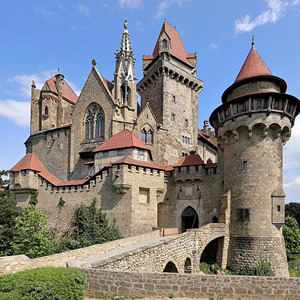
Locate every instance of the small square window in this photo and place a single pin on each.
(244, 165)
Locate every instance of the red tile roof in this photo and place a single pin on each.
(31, 162)
(253, 66)
(108, 84)
(207, 139)
(67, 92)
(141, 163)
(177, 48)
(123, 139)
(189, 160)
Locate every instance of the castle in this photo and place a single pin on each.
(148, 165)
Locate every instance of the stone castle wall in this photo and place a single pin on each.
(193, 286)
(119, 191)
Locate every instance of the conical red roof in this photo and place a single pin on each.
(253, 66)
(123, 139)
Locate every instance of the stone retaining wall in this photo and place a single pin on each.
(195, 286)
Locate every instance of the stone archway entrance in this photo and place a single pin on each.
(189, 219)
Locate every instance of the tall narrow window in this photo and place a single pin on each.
(46, 111)
(149, 137)
(143, 135)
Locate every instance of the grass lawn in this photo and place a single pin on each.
(294, 265)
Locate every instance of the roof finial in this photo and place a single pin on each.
(58, 69)
(94, 62)
(253, 43)
(125, 24)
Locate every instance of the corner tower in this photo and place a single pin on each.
(171, 88)
(124, 78)
(252, 125)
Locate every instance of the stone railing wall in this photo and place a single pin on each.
(193, 286)
(11, 264)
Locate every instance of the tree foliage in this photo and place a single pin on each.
(91, 226)
(31, 235)
(292, 209)
(3, 182)
(8, 214)
(291, 233)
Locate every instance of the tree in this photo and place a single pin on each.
(90, 227)
(31, 235)
(3, 182)
(292, 209)
(291, 233)
(8, 214)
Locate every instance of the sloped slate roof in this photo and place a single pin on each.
(123, 139)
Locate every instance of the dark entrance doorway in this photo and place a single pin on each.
(189, 219)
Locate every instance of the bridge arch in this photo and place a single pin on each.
(213, 250)
(170, 267)
(188, 266)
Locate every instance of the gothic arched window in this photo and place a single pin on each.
(143, 135)
(94, 122)
(149, 137)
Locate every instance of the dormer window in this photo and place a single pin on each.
(147, 136)
(165, 43)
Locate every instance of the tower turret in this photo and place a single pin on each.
(171, 89)
(252, 125)
(124, 78)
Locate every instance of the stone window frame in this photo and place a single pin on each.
(243, 214)
(94, 122)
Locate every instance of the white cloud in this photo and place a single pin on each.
(213, 45)
(47, 14)
(83, 9)
(274, 11)
(16, 111)
(131, 3)
(164, 5)
(24, 81)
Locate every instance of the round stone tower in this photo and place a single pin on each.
(252, 125)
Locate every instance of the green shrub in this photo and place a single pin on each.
(43, 283)
(90, 226)
(263, 268)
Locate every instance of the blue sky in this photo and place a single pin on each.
(40, 36)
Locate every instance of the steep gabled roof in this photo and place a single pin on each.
(67, 92)
(31, 162)
(253, 66)
(123, 139)
(176, 48)
(189, 160)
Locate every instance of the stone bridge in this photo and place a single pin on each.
(149, 252)
(181, 253)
